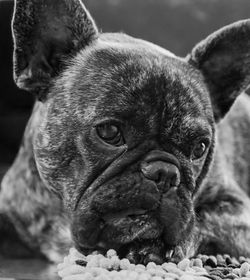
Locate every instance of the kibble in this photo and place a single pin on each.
(235, 262)
(244, 269)
(186, 277)
(228, 260)
(197, 262)
(204, 258)
(124, 264)
(133, 275)
(105, 263)
(102, 277)
(184, 264)
(156, 278)
(140, 267)
(110, 267)
(151, 265)
(220, 259)
(169, 266)
(242, 259)
(211, 261)
(115, 262)
(111, 253)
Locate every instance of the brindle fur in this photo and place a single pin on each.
(65, 178)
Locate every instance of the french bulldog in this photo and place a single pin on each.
(128, 146)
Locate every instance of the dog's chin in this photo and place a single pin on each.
(138, 237)
(127, 226)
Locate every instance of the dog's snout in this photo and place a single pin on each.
(161, 172)
(162, 168)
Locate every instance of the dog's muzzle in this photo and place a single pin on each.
(137, 217)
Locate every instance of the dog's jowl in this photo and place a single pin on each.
(128, 146)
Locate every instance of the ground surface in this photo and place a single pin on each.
(27, 270)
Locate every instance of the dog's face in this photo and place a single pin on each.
(134, 132)
(126, 131)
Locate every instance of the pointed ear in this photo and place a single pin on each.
(224, 60)
(45, 33)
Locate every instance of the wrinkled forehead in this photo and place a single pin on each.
(126, 80)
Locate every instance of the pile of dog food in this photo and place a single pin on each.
(98, 267)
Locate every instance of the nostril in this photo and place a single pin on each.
(150, 171)
(176, 179)
(160, 178)
(153, 171)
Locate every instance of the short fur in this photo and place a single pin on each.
(67, 186)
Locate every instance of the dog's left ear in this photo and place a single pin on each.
(46, 33)
(224, 60)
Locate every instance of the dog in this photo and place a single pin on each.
(128, 146)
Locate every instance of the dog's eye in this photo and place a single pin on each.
(110, 133)
(199, 150)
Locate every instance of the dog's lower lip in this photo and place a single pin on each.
(127, 229)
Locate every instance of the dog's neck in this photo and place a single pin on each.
(23, 195)
(22, 181)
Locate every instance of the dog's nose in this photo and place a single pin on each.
(162, 168)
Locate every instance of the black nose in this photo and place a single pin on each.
(162, 168)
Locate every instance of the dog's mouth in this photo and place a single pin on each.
(135, 234)
(129, 225)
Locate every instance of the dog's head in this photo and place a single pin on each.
(126, 129)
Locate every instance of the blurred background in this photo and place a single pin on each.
(174, 24)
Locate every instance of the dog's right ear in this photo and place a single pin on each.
(46, 33)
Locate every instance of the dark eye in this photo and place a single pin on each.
(110, 133)
(199, 150)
